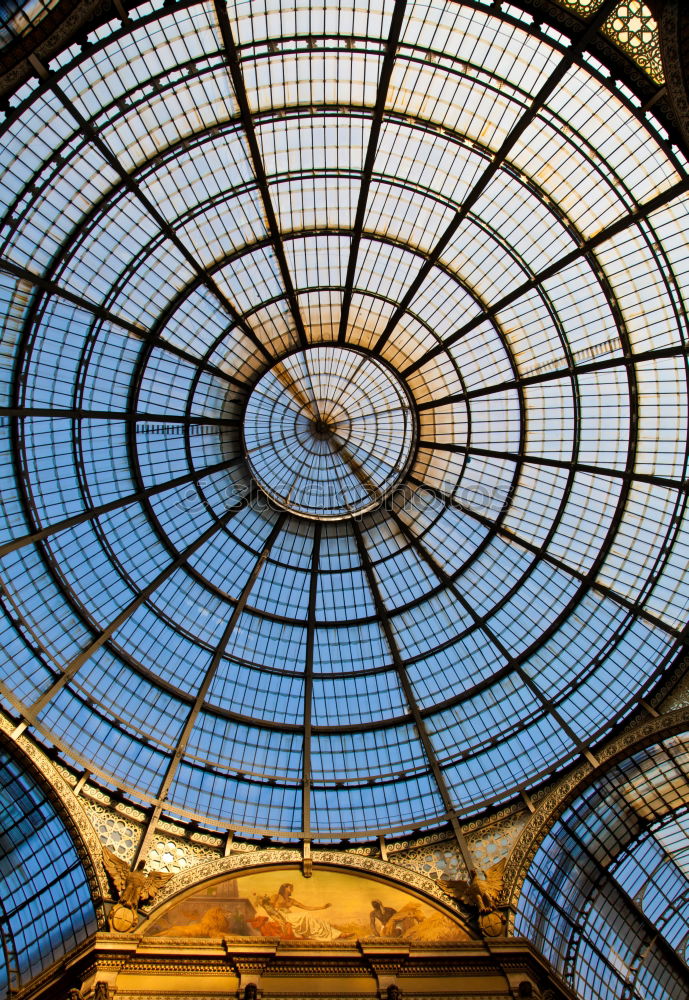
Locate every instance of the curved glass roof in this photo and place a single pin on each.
(46, 907)
(460, 200)
(328, 432)
(607, 895)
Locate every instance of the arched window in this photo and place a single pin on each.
(606, 898)
(45, 899)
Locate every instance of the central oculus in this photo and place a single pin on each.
(328, 432)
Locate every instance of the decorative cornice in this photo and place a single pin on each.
(320, 995)
(674, 46)
(220, 963)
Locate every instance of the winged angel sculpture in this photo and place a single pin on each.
(481, 894)
(133, 888)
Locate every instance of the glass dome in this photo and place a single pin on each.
(345, 408)
(328, 432)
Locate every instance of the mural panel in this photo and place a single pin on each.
(330, 906)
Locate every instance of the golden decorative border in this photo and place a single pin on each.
(632, 28)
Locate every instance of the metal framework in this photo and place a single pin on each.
(607, 894)
(207, 189)
(47, 907)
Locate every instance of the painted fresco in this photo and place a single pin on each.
(330, 906)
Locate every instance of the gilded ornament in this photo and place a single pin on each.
(133, 888)
(122, 918)
(481, 894)
(492, 924)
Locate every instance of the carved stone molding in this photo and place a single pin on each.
(674, 51)
(158, 968)
(321, 995)
(552, 805)
(250, 965)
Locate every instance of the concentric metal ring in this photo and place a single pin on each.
(328, 432)
(305, 672)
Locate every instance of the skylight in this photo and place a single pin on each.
(435, 213)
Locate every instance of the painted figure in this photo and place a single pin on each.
(303, 925)
(379, 916)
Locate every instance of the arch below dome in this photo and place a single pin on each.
(238, 896)
(605, 895)
(48, 881)
(424, 949)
